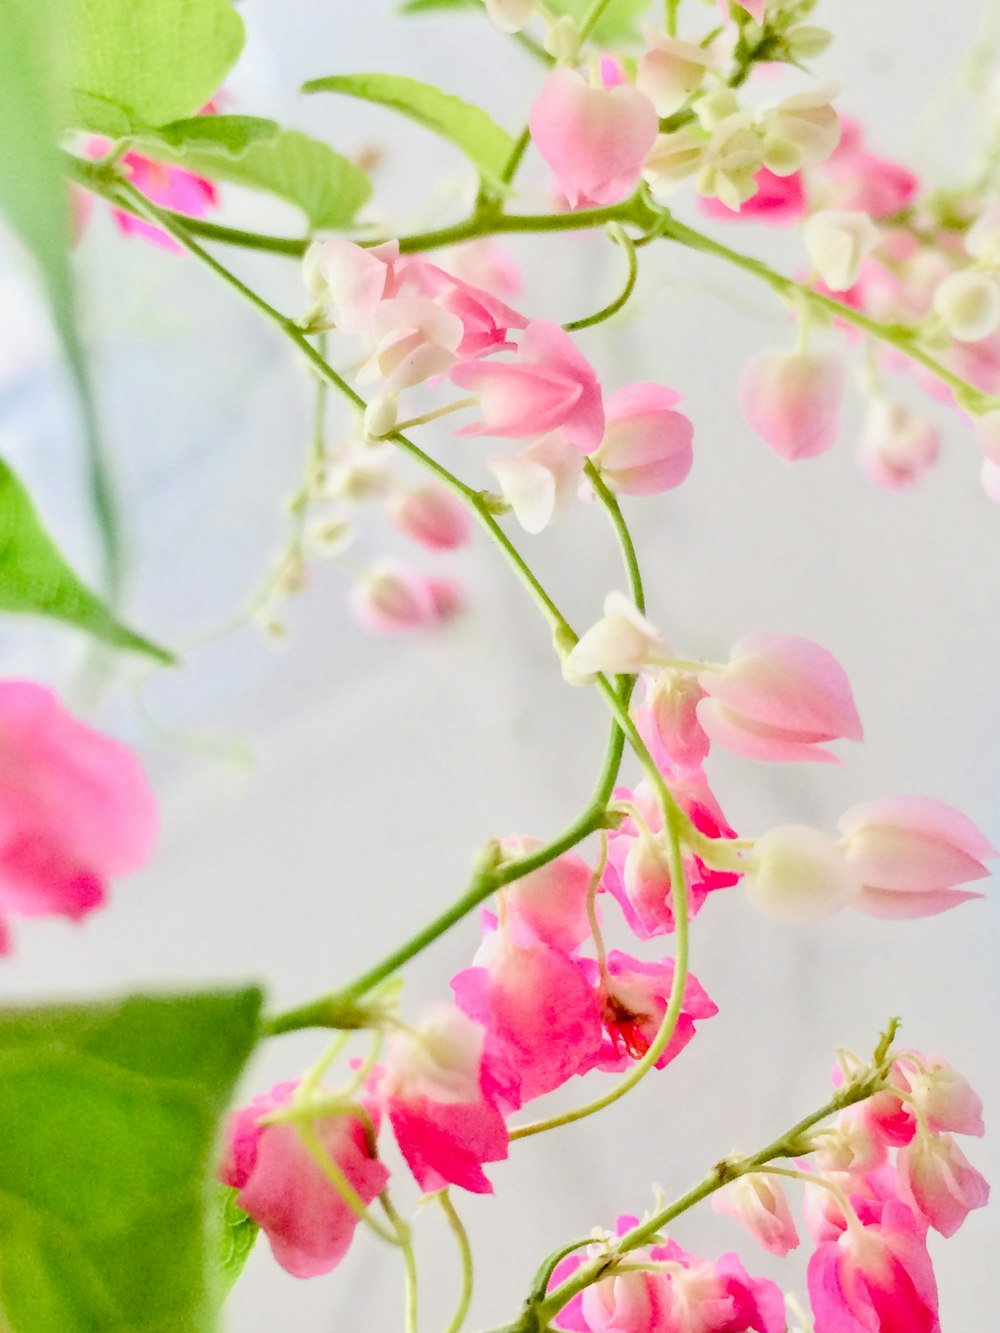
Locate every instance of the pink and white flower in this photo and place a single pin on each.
(646, 447)
(431, 516)
(758, 1202)
(793, 400)
(938, 1182)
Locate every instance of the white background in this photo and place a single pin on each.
(377, 768)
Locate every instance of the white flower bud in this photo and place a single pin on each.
(968, 304)
(670, 71)
(672, 158)
(381, 415)
(511, 15)
(715, 107)
(796, 875)
(622, 641)
(837, 243)
(731, 162)
(807, 41)
(983, 238)
(563, 40)
(801, 129)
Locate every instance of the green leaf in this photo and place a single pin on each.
(324, 185)
(468, 127)
(239, 1232)
(110, 1117)
(231, 135)
(430, 6)
(618, 23)
(135, 63)
(34, 577)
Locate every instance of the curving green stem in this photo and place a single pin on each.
(465, 1256)
(622, 238)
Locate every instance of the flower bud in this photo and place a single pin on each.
(797, 875)
(672, 158)
(647, 446)
(897, 446)
(623, 640)
(792, 400)
(392, 599)
(670, 71)
(799, 130)
(968, 304)
(758, 1202)
(715, 107)
(511, 15)
(432, 516)
(837, 243)
(563, 40)
(381, 416)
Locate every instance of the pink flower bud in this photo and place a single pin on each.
(391, 599)
(777, 699)
(432, 516)
(850, 1146)
(75, 809)
(647, 446)
(942, 1093)
(897, 446)
(667, 720)
(758, 1202)
(909, 852)
(623, 640)
(282, 1187)
(594, 139)
(540, 482)
(938, 1182)
(798, 875)
(792, 400)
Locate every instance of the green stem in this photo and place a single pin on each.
(671, 17)
(593, 17)
(404, 1238)
(465, 1255)
(622, 238)
(610, 502)
(311, 1141)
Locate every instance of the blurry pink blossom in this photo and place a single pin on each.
(432, 516)
(647, 445)
(792, 400)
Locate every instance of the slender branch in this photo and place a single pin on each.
(465, 1256)
(622, 238)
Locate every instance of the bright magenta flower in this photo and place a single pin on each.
(594, 139)
(778, 699)
(75, 808)
(285, 1190)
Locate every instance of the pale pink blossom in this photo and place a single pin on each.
(938, 1182)
(539, 482)
(897, 446)
(540, 1014)
(432, 516)
(623, 640)
(76, 809)
(632, 998)
(432, 1092)
(793, 400)
(548, 905)
(486, 320)
(392, 599)
(778, 699)
(548, 385)
(874, 1278)
(758, 1202)
(909, 852)
(949, 1103)
(797, 875)
(850, 1146)
(667, 719)
(670, 70)
(647, 445)
(838, 241)
(415, 339)
(351, 281)
(861, 181)
(594, 139)
(286, 1191)
(488, 266)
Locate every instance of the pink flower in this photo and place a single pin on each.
(549, 384)
(864, 182)
(539, 482)
(876, 1278)
(909, 852)
(539, 1012)
(594, 139)
(432, 1091)
(792, 400)
(485, 318)
(758, 1202)
(432, 516)
(170, 187)
(778, 201)
(778, 698)
(351, 281)
(285, 1190)
(75, 808)
(938, 1182)
(897, 446)
(392, 599)
(415, 339)
(633, 1003)
(647, 446)
(943, 1094)
(667, 720)
(487, 265)
(548, 905)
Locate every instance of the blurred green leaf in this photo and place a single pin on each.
(34, 576)
(468, 127)
(136, 63)
(239, 1232)
(618, 23)
(231, 135)
(110, 1118)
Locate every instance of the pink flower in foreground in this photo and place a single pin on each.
(539, 1012)
(938, 1182)
(758, 1202)
(549, 905)
(539, 482)
(392, 599)
(647, 445)
(286, 1191)
(433, 1095)
(792, 400)
(549, 384)
(75, 808)
(594, 139)
(432, 516)
(667, 720)
(633, 1003)
(910, 852)
(351, 280)
(876, 1278)
(170, 187)
(778, 698)
(485, 318)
